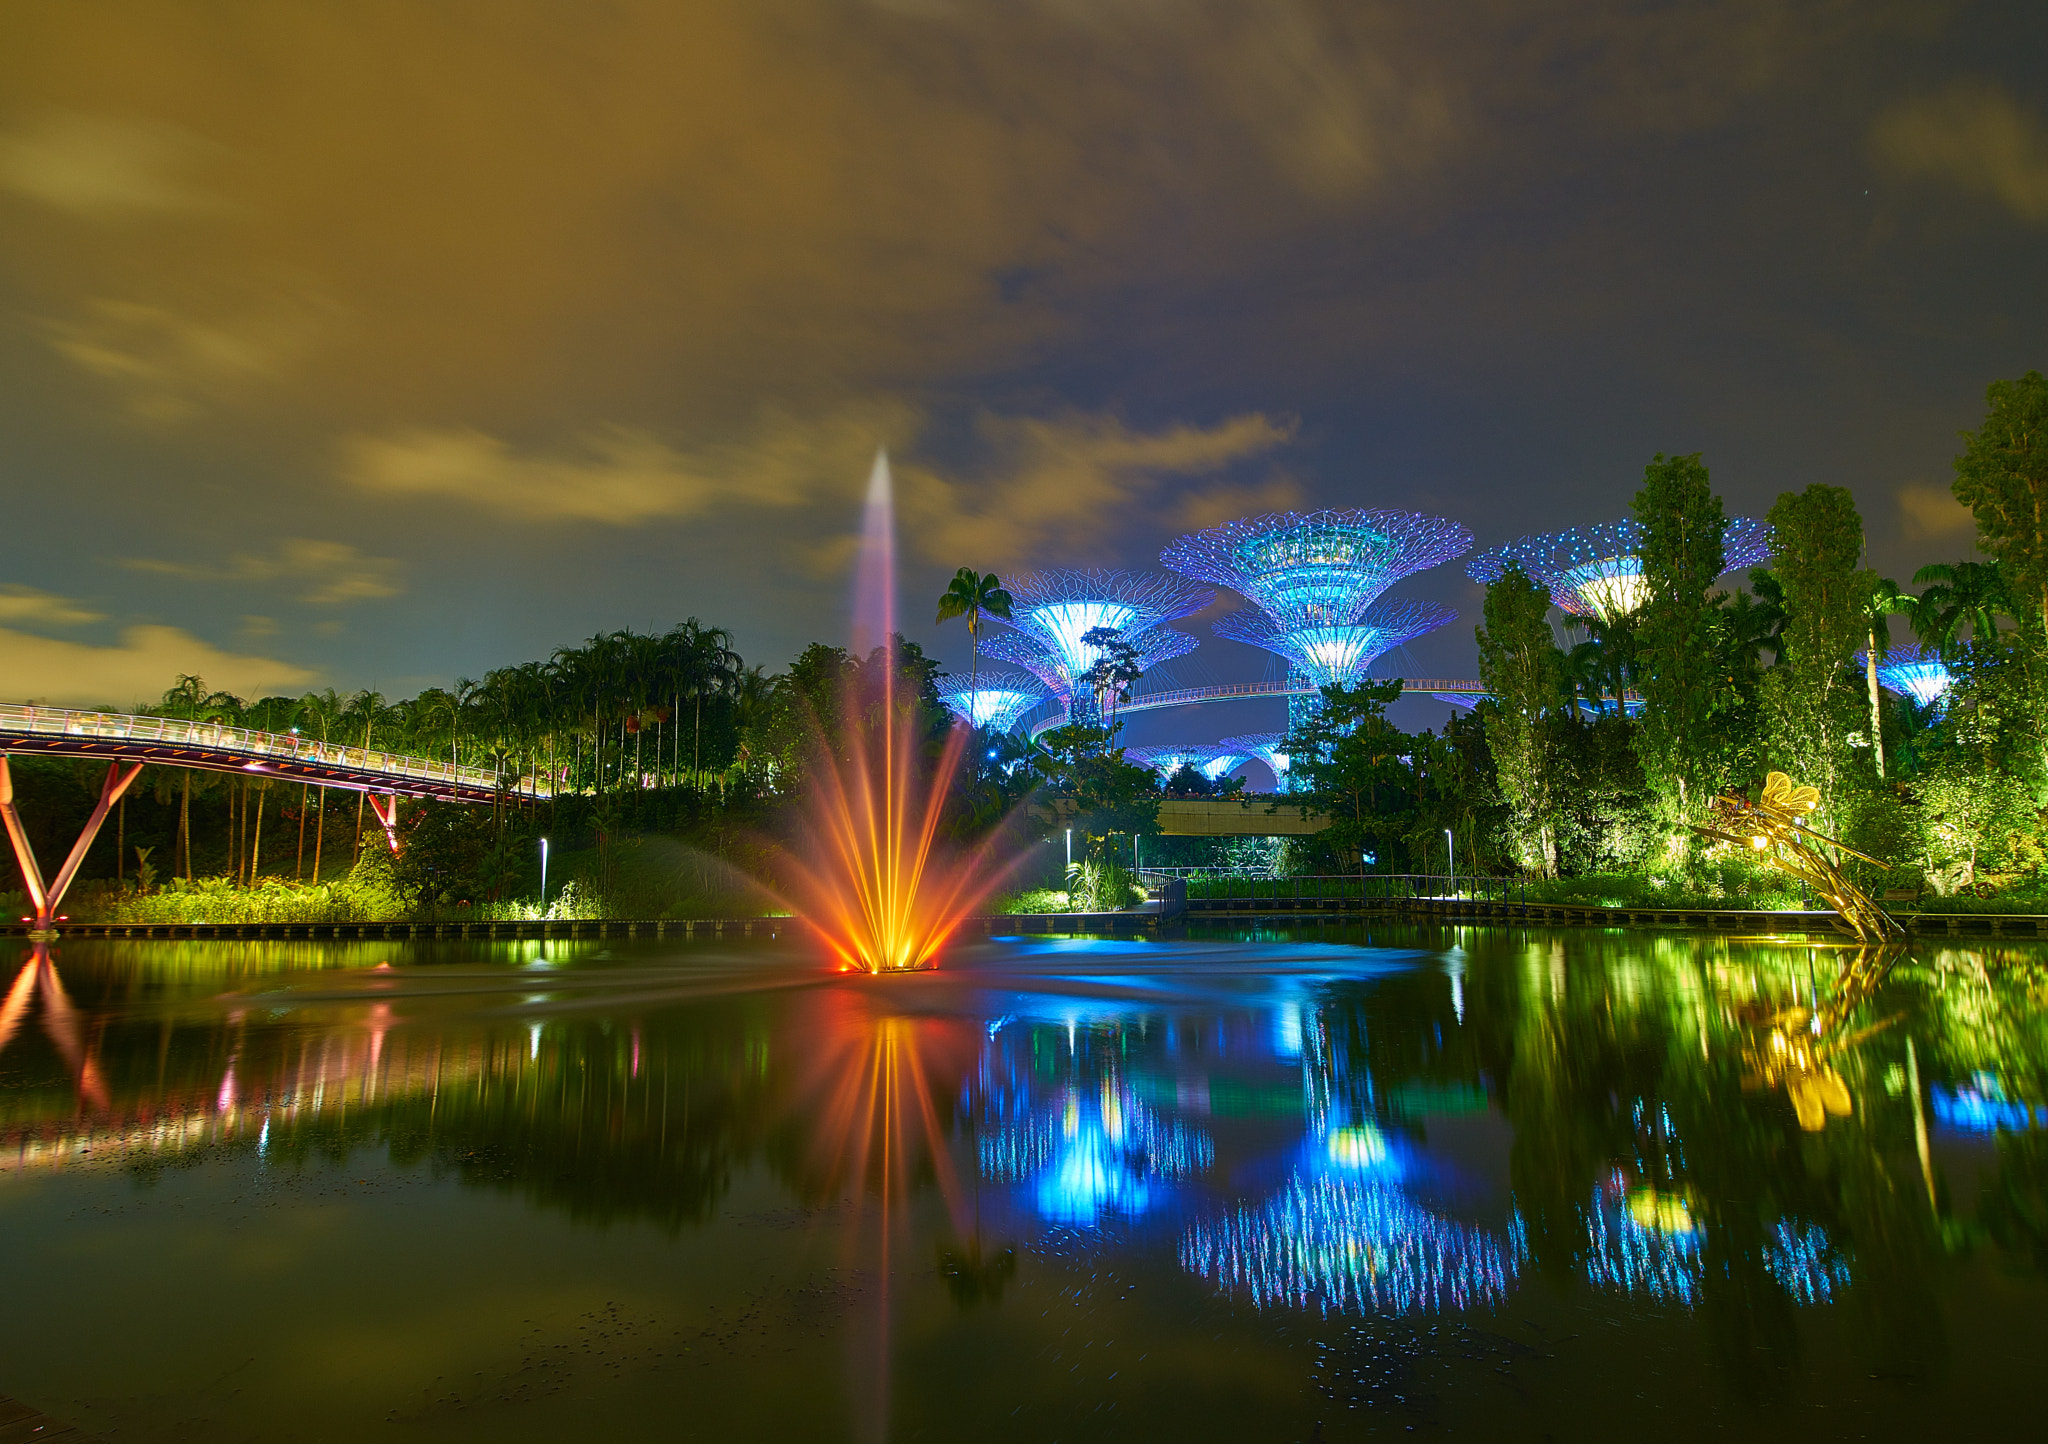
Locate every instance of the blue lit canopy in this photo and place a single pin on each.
(1321, 568)
(998, 702)
(1333, 653)
(1315, 578)
(1266, 746)
(1597, 571)
(1052, 611)
(1921, 675)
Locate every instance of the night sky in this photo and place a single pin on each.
(371, 343)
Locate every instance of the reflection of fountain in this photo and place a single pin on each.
(875, 890)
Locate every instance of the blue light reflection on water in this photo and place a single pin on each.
(1095, 1096)
(1353, 1245)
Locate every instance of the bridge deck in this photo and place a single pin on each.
(209, 746)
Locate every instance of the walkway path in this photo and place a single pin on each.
(209, 746)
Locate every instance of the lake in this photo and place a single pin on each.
(1320, 1183)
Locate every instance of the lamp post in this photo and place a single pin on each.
(543, 877)
(1451, 858)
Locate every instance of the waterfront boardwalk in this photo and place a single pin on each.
(1151, 917)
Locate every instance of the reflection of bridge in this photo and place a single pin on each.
(128, 742)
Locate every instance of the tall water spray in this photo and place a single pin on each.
(875, 884)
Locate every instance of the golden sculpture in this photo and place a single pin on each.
(1774, 825)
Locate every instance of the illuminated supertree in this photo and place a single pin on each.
(1317, 569)
(1315, 577)
(1335, 653)
(1167, 760)
(1266, 746)
(1052, 613)
(1921, 675)
(998, 703)
(1597, 571)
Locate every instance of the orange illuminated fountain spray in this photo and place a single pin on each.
(875, 885)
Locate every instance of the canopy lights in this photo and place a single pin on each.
(1597, 571)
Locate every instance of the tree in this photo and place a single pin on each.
(974, 595)
(2002, 477)
(1683, 552)
(1812, 699)
(1959, 595)
(1523, 673)
(1117, 665)
(1884, 602)
(1349, 761)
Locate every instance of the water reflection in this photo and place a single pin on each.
(1744, 1128)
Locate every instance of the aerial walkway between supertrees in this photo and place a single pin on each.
(1054, 613)
(1317, 579)
(1597, 571)
(128, 743)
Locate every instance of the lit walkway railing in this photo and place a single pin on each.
(103, 733)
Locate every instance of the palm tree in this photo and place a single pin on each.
(974, 595)
(1884, 602)
(1958, 595)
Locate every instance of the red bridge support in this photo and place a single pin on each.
(387, 814)
(45, 897)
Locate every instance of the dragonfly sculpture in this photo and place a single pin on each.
(1775, 827)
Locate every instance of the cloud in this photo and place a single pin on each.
(1061, 486)
(104, 167)
(1212, 508)
(330, 573)
(75, 674)
(1928, 511)
(1975, 137)
(26, 604)
(170, 365)
(623, 476)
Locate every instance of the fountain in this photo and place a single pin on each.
(876, 887)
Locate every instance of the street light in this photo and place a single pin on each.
(543, 877)
(1451, 857)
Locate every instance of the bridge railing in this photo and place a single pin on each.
(24, 720)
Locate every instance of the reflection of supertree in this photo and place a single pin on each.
(1337, 653)
(1093, 1152)
(1597, 571)
(1805, 1262)
(1923, 676)
(1642, 1242)
(1351, 1245)
(1053, 611)
(998, 702)
(1266, 746)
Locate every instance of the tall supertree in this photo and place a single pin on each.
(1597, 571)
(999, 701)
(1053, 613)
(1332, 654)
(1316, 578)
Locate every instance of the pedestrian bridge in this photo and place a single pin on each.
(213, 747)
(126, 743)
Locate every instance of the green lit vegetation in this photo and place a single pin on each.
(1548, 778)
